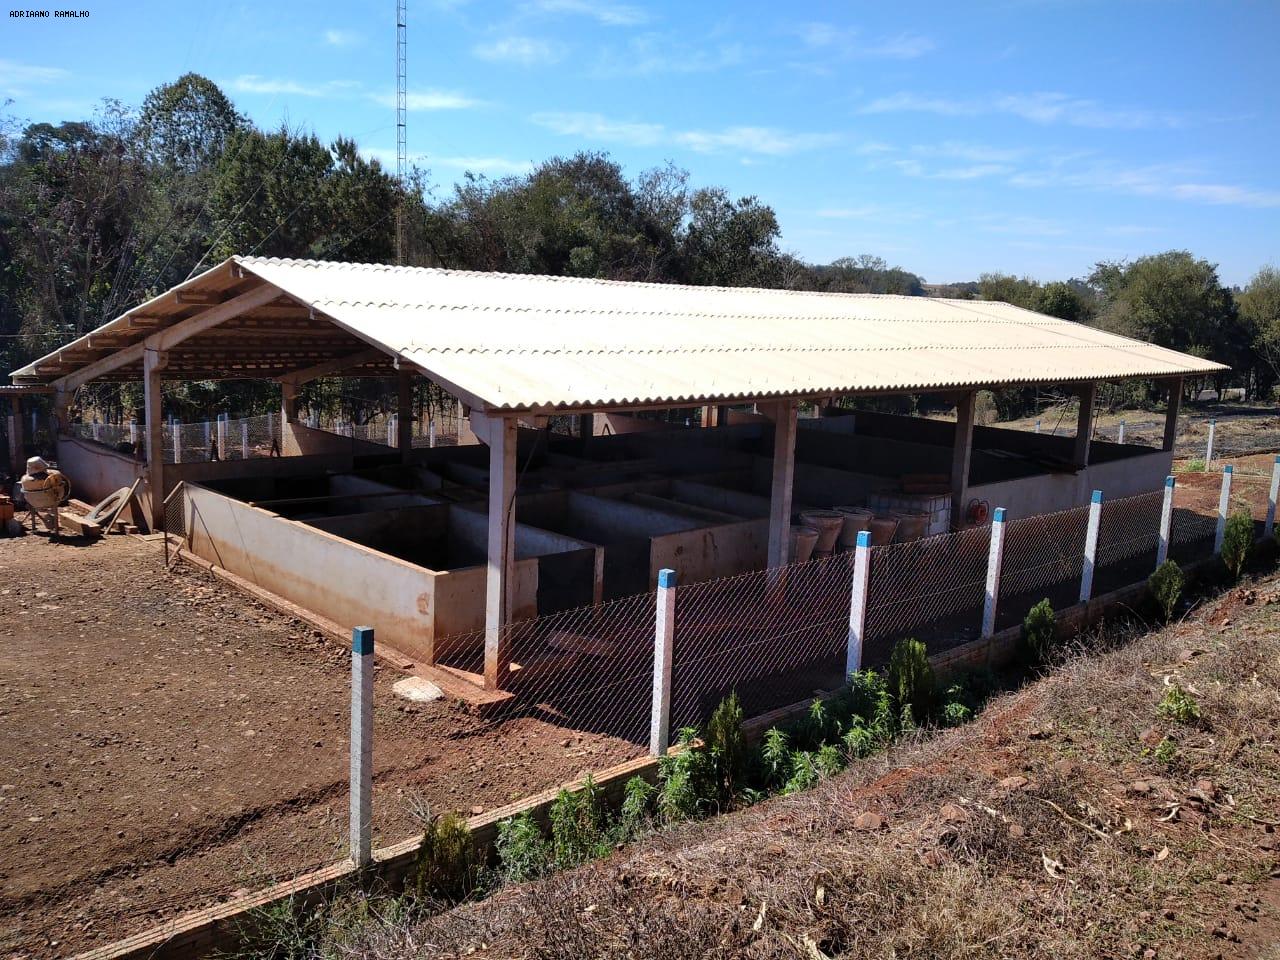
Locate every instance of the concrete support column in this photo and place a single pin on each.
(17, 447)
(153, 362)
(288, 414)
(501, 553)
(1171, 414)
(1084, 425)
(404, 413)
(961, 455)
(783, 415)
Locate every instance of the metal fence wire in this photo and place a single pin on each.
(1043, 558)
(1128, 537)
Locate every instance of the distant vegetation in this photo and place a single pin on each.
(98, 215)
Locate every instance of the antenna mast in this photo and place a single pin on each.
(402, 103)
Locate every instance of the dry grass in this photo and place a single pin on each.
(1047, 828)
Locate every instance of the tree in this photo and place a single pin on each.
(187, 124)
(1260, 309)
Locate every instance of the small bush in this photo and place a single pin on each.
(1237, 542)
(829, 760)
(1194, 465)
(577, 825)
(637, 806)
(775, 756)
(444, 867)
(727, 744)
(523, 852)
(1166, 586)
(1037, 633)
(859, 740)
(955, 713)
(688, 781)
(804, 772)
(1179, 706)
(911, 682)
(1166, 752)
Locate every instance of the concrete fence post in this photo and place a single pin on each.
(96, 430)
(176, 427)
(664, 635)
(858, 604)
(271, 428)
(995, 563)
(362, 746)
(1120, 433)
(207, 445)
(133, 432)
(244, 439)
(392, 431)
(222, 436)
(1166, 522)
(1224, 504)
(1208, 447)
(1037, 425)
(431, 432)
(1091, 546)
(1270, 526)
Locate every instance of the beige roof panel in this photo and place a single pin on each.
(532, 342)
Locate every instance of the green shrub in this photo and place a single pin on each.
(688, 781)
(727, 744)
(444, 869)
(829, 760)
(1166, 586)
(911, 682)
(868, 695)
(523, 852)
(1237, 542)
(804, 772)
(1194, 465)
(1166, 752)
(637, 806)
(577, 825)
(1179, 706)
(956, 712)
(859, 740)
(775, 755)
(1038, 633)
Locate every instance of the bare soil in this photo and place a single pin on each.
(1053, 826)
(169, 741)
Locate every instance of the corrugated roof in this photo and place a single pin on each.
(533, 342)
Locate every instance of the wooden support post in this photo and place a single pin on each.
(995, 564)
(858, 604)
(404, 413)
(1270, 526)
(362, 746)
(784, 467)
(663, 646)
(1084, 425)
(1171, 415)
(1224, 507)
(1166, 522)
(961, 455)
(1091, 546)
(501, 553)
(152, 363)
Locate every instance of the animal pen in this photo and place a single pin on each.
(515, 561)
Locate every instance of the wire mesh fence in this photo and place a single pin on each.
(1043, 558)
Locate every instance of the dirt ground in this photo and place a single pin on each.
(169, 742)
(1072, 820)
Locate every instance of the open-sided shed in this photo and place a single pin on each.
(518, 348)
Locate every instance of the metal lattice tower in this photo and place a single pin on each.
(402, 108)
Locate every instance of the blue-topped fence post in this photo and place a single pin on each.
(1166, 522)
(1091, 546)
(995, 563)
(362, 746)
(664, 634)
(858, 604)
(1224, 504)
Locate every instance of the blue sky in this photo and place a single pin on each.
(1028, 136)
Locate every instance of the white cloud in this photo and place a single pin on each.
(252, 83)
(424, 100)
(500, 166)
(1043, 108)
(764, 141)
(849, 43)
(604, 11)
(342, 38)
(526, 51)
(654, 53)
(16, 79)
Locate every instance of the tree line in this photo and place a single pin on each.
(98, 215)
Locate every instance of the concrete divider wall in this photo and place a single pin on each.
(96, 471)
(1027, 497)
